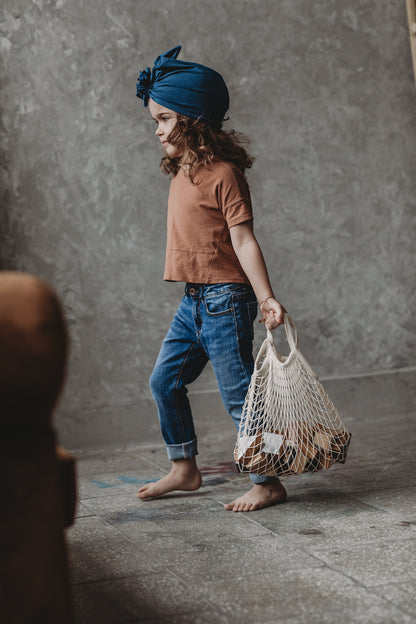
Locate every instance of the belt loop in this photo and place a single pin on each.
(193, 289)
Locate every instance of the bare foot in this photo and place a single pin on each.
(184, 475)
(260, 496)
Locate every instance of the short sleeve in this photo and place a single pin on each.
(233, 195)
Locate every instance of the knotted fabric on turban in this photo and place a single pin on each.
(187, 88)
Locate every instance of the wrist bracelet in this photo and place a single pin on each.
(264, 300)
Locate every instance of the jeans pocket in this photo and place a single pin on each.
(216, 305)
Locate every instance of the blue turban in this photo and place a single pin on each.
(187, 88)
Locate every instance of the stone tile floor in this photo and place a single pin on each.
(341, 550)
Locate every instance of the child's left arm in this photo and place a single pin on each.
(251, 259)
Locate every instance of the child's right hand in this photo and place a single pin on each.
(273, 313)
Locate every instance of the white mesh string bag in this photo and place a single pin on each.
(289, 424)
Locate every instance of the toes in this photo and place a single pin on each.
(240, 506)
(144, 492)
(230, 506)
(234, 506)
(247, 507)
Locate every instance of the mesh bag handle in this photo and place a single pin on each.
(291, 332)
(293, 342)
(291, 336)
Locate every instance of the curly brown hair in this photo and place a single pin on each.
(202, 144)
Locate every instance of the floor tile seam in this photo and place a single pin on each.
(331, 544)
(313, 572)
(338, 570)
(357, 582)
(398, 605)
(329, 566)
(395, 515)
(386, 489)
(407, 486)
(375, 541)
(226, 612)
(347, 496)
(119, 577)
(391, 512)
(373, 508)
(105, 521)
(107, 495)
(106, 579)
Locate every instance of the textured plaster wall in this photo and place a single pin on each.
(325, 91)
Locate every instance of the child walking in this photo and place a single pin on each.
(212, 249)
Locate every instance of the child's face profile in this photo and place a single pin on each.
(166, 120)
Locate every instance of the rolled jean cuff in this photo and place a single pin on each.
(259, 479)
(187, 450)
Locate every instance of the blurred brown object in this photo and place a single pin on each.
(37, 482)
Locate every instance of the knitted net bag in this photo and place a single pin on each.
(289, 424)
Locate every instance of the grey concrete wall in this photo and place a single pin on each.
(325, 91)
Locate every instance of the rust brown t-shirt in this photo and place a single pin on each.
(200, 216)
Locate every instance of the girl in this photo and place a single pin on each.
(211, 247)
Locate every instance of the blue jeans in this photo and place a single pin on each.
(213, 322)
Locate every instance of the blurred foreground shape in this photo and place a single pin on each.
(37, 478)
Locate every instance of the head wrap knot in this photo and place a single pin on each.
(188, 88)
(144, 84)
